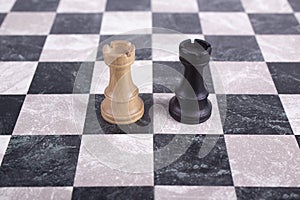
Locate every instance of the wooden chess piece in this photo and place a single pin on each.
(190, 104)
(121, 105)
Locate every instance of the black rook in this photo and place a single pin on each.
(190, 104)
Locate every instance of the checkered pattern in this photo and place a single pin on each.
(54, 143)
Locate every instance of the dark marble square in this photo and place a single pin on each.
(10, 107)
(191, 160)
(253, 114)
(35, 5)
(275, 23)
(295, 4)
(2, 16)
(234, 48)
(143, 45)
(182, 23)
(95, 124)
(120, 193)
(286, 77)
(62, 78)
(40, 161)
(220, 5)
(267, 193)
(128, 5)
(167, 76)
(298, 139)
(77, 24)
(21, 48)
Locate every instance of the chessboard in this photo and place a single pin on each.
(54, 143)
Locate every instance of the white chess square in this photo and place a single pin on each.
(6, 5)
(298, 16)
(175, 6)
(263, 6)
(81, 6)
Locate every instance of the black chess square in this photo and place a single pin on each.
(220, 5)
(95, 124)
(182, 23)
(195, 165)
(121, 193)
(235, 48)
(128, 5)
(21, 48)
(62, 78)
(167, 76)
(253, 114)
(40, 161)
(77, 24)
(286, 77)
(295, 5)
(298, 139)
(275, 23)
(10, 107)
(2, 16)
(35, 5)
(142, 43)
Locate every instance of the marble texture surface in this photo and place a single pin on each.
(70, 48)
(220, 5)
(81, 6)
(36, 193)
(261, 6)
(115, 160)
(229, 23)
(194, 193)
(33, 5)
(272, 161)
(176, 7)
(16, 77)
(141, 72)
(6, 5)
(52, 115)
(242, 78)
(297, 15)
(4, 140)
(291, 105)
(271, 47)
(132, 23)
(128, 5)
(18, 23)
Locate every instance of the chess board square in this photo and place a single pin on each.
(81, 6)
(21, 48)
(167, 76)
(175, 7)
(132, 23)
(272, 161)
(261, 6)
(4, 140)
(6, 5)
(295, 5)
(40, 161)
(122, 193)
(33, 5)
(16, 77)
(225, 23)
(52, 115)
(129, 5)
(286, 77)
(298, 139)
(164, 123)
(165, 46)
(184, 162)
(297, 15)
(100, 157)
(220, 5)
(62, 78)
(253, 114)
(95, 124)
(10, 106)
(77, 24)
(141, 42)
(274, 51)
(70, 48)
(141, 72)
(18, 23)
(291, 107)
(234, 48)
(242, 78)
(246, 193)
(274, 23)
(36, 193)
(194, 192)
(2, 16)
(182, 22)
